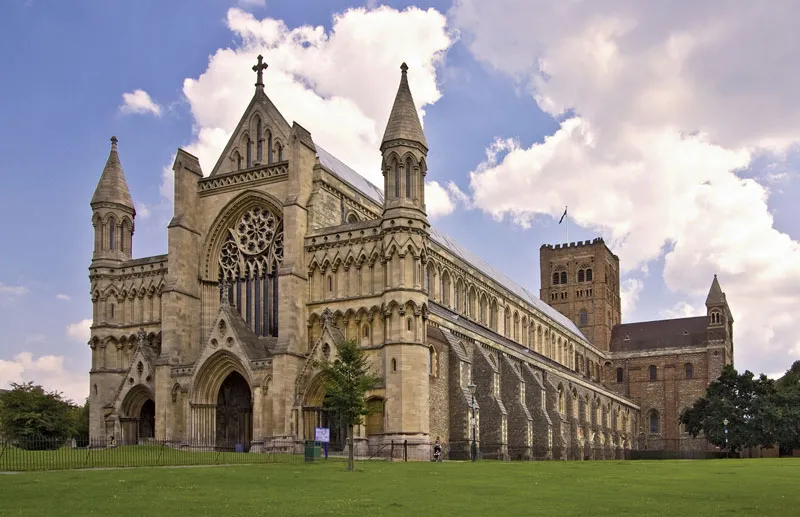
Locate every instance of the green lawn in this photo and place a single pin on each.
(713, 487)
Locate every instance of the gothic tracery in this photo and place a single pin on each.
(249, 261)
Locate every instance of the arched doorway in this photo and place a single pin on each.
(234, 416)
(315, 415)
(147, 420)
(137, 416)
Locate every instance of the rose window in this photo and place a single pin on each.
(249, 262)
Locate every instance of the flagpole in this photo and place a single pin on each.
(566, 223)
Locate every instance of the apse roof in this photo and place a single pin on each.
(345, 173)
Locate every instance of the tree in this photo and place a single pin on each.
(36, 419)
(785, 413)
(347, 380)
(746, 402)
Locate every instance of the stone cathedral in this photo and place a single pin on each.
(283, 251)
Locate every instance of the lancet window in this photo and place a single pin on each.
(249, 262)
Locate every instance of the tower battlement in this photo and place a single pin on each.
(574, 244)
(581, 281)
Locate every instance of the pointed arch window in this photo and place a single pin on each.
(555, 278)
(620, 375)
(589, 275)
(581, 275)
(397, 179)
(249, 262)
(269, 146)
(249, 153)
(259, 141)
(112, 233)
(408, 177)
(280, 153)
(238, 158)
(563, 277)
(652, 372)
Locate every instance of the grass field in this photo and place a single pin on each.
(714, 487)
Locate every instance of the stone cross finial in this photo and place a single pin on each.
(113, 143)
(259, 70)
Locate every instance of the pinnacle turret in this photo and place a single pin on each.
(715, 294)
(404, 122)
(112, 187)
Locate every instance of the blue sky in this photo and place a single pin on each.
(680, 151)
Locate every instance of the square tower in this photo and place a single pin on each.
(581, 281)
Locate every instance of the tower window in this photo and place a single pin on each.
(366, 331)
(689, 370)
(563, 277)
(280, 153)
(653, 372)
(249, 152)
(330, 284)
(394, 365)
(408, 178)
(654, 422)
(112, 233)
(555, 278)
(408, 324)
(589, 275)
(397, 179)
(580, 275)
(620, 374)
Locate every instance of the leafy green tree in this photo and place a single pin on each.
(785, 414)
(80, 423)
(348, 378)
(744, 401)
(36, 419)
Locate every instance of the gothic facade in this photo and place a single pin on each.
(283, 251)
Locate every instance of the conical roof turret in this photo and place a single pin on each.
(403, 121)
(715, 294)
(112, 187)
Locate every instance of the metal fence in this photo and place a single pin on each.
(53, 454)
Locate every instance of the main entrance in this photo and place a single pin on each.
(234, 418)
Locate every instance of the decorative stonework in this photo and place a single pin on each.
(245, 178)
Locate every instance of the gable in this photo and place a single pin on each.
(272, 122)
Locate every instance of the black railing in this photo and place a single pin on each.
(50, 454)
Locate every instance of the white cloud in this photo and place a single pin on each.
(48, 371)
(139, 102)
(629, 294)
(64, 297)
(658, 109)
(437, 200)
(142, 210)
(12, 291)
(79, 331)
(252, 3)
(325, 80)
(682, 310)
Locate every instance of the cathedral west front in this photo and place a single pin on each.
(282, 251)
